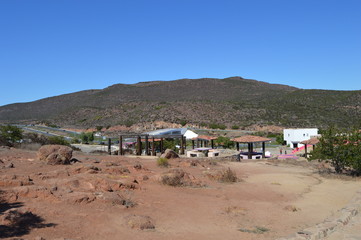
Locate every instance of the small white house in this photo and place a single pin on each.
(294, 136)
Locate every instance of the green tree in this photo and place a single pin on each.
(224, 141)
(280, 139)
(87, 137)
(183, 122)
(341, 148)
(10, 134)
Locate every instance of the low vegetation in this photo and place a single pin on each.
(174, 178)
(228, 176)
(341, 148)
(9, 135)
(163, 162)
(196, 102)
(256, 230)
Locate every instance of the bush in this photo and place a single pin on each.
(224, 141)
(163, 162)
(341, 148)
(57, 140)
(217, 126)
(183, 122)
(228, 176)
(10, 135)
(174, 178)
(235, 127)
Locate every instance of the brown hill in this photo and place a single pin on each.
(230, 101)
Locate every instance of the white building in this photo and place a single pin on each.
(293, 137)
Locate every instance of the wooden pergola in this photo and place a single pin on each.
(311, 141)
(149, 141)
(250, 140)
(203, 141)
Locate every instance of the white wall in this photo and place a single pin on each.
(190, 134)
(294, 136)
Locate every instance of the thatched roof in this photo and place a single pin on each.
(250, 139)
(204, 137)
(312, 141)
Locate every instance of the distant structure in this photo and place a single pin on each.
(188, 134)
(294, 136)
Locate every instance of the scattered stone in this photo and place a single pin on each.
(291, 208)
(15, 180)
(74, 160)
(39, 238)
(9, 165)
(55, 154)
(110, 164)
(79, 198)
(138, 166)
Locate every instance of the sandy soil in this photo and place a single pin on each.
(93, 198)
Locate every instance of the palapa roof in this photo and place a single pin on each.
(311, 141)
(204, 137)
(250, 139)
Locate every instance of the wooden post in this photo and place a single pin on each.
(212, 143)
(161, 145)
(305, 150)
(249, 151)
(192, 144)
(185, 145)
(263, 150)
(146, 145)
(182, 146)
(153, 147)
(120, 152)
(237, 143)
(110, 146)
(197, 143)
(139, 146)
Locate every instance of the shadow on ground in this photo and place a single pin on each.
(17, 223)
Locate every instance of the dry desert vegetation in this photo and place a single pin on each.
(123, 197)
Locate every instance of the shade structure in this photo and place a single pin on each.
(203, 139)
(250, 139)
(312, 141)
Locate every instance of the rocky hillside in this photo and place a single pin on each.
(231, 102)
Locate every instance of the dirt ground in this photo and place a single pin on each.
(115, 197)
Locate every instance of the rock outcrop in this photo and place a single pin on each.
(55, 154)
(169, 153)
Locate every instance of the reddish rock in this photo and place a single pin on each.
(169, 154)
(55, 154)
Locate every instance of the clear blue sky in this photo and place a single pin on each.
(50, 47)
